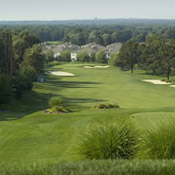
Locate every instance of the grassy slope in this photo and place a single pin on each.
(29, 135)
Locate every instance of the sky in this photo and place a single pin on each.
(85, 9)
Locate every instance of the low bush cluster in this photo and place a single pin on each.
(106, 106)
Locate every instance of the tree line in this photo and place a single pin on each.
(156, 55)
(101, 34)
(83, 56)
(21, 61)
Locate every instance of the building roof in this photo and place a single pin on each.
(92, 47)
(114, 47)
(66, 46)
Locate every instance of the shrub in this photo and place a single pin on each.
(55, 101)
(109, 142)
(160, 142)
(106, 106)
(59, 109)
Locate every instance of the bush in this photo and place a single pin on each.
(160, 142)
(55, 101)
(109, 142)
(56, 109)
(59, 109)
(106, 106)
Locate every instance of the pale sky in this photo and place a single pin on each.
(85, 9)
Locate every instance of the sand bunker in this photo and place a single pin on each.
(60, 73)
(94, 67)
(156, 81)
(172, 86)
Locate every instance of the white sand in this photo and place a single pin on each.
(94, 67)
(172, 86)
(60, 73)
(156, 81)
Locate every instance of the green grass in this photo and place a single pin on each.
(54, 42)
(100, 167)
(29, 135)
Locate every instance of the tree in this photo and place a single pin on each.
(107, 39)
(49, 55)
(83, 56)
(92, 57)
(128, 55)
(21, 42)
(114, 60)
(34, 58)
(65, 56)
(5, 89)
(167, 55)
(101, 57)
(152, 55)
(6, 54)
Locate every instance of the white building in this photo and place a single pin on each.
(74, 56)
(56, 55)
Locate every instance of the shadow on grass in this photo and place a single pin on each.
(29, 103)
(70, 84)
(36, 101)
(73, 103)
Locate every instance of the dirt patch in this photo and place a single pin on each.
(156, 81)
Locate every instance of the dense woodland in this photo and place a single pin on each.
(101, 34)
(146, 47)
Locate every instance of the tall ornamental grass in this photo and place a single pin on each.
(109, 142)
(159, 143)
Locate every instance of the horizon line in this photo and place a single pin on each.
(28, 20)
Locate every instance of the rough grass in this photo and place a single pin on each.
(100, 167)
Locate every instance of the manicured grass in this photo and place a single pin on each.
(54, 42)
(27, 134)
